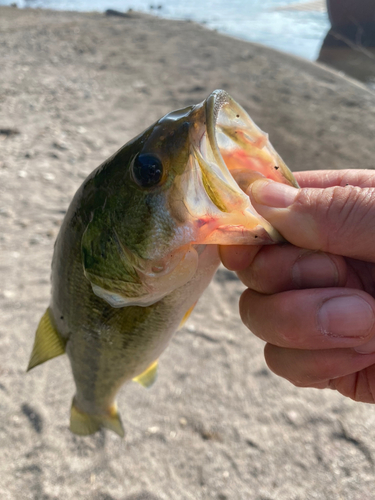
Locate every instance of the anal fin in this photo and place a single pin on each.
(48, 342)
(84, 424)
(148, 377)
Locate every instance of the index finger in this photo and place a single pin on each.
(338, 220)
(330, 178)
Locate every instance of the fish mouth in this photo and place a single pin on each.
(229, 152)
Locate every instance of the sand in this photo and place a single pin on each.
(217, 424)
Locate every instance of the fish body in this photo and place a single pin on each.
(139, 245)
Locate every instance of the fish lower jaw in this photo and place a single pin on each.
(236, 228)
(240, 235)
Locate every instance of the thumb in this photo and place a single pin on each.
(339, 220)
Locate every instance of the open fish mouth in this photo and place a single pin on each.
(231, 152)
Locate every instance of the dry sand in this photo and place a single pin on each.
(217, 424)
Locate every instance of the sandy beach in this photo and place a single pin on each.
(74, 87)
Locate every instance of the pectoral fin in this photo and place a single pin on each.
(186, 316)
(84, 424)
(48, 343)
(148, 377)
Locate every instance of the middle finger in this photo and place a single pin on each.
(286, 267)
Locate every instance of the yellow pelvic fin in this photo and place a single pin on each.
(148, 377)
(186, 316)
(84, 424)
(47, 344)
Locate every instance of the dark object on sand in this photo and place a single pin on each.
(350, 43)
(117, 13)
(9, 131)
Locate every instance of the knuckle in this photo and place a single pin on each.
(288, 335)
(362, 178)
(247, 313)
(337, 212)
(346, 208)
(256, 277)
(286, 323)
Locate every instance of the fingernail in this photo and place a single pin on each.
(315, 270)
(273, 194)
(349, 316)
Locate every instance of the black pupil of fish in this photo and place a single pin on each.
(147, 170)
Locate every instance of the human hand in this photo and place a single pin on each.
(312, 300)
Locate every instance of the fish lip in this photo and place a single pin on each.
(226, 118)
(218, 104)
(206, 150)
(213, 105)
(228, 207)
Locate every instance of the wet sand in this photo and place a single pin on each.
(217, 424)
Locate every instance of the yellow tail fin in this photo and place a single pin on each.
(84, 424)
(47, 344)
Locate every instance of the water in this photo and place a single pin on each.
(297, 32)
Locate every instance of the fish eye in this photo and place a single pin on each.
(147, 170)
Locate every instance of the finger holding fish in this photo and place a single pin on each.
(317, 313)
(296, 267)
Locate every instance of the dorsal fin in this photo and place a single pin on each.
(148, 377)
(48, 343)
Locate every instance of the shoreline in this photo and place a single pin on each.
(249, 28)
(330, 65)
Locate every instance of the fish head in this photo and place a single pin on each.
(177, 187)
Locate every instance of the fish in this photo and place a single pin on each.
(139, 245)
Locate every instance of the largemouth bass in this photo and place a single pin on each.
(139, 245)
